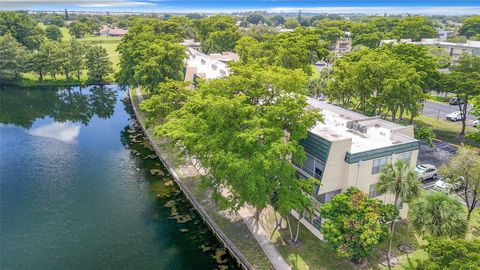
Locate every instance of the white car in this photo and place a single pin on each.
(442, 185)
(476, 123)
(426, 171)
(454, 116)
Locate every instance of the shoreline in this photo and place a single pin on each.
(181, 172)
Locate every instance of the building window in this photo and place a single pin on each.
(313, 167)
(372, 192)
(378, 164)
(406, 156)
(328, 196)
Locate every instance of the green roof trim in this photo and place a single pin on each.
(382, 152)
(316, 146)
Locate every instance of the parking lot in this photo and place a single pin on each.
(439, 110)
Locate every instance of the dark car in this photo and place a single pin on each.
(456, 101)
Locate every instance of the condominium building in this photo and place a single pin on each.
(455, 50)
(207, 66)
(349, 149)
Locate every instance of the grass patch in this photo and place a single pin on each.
(312, 254)
(446, 131)
(474, 225)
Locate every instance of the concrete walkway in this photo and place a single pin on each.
(263, 239)
(249, 220)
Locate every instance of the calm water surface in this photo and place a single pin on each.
(77, 190)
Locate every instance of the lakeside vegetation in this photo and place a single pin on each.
(245, 129)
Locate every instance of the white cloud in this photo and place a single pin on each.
(65, 132)
(381, 10)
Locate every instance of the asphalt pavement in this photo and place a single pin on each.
(439, 110)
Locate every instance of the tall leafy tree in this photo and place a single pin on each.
(14, 56)
(464, 167)
(149, 55)
(53, 32)
(355, 224)
(76, 58)
(437, 214)
(414, 28)
(98, 64)
(166, 98)
(220, 41)
(23, 27)
(298, 49)
(162, 60)
(401, 180)
(464, 82)
(245, 130)
(47, 60)
(451, 254)
(470, 27)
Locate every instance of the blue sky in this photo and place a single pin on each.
(329, 6)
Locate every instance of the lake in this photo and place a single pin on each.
(80, 188)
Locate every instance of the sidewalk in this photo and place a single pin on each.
(263, 239)
(247, 216)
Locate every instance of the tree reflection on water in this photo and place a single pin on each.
(22, 106)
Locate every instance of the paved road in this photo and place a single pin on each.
(440, 111)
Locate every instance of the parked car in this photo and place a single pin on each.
(476, 123)
(456, 101)
(426, 171)
(454, 116)
(443, 185)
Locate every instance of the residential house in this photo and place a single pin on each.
(349, 149)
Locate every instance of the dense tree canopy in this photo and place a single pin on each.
(23, 27)
(14, 56)
(355, 224)
(464, 82)
(244, 129)
(470, 27)
(465, 167)
(53, 32)
(149, 56)
(376, 82)
(451, 254)
(297, 49)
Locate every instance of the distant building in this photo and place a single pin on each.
(191, 43)
(212, 66)
(349, 149)
(455, 50)
(342, 45)
(113, 32)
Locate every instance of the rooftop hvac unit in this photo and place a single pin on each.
(214, 67)
(203, 61)
(350, 125)
(362, 129)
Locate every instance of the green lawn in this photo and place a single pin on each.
(445, 130)
(109, 43)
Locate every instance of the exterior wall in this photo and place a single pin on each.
(336, 169)
(340, 175)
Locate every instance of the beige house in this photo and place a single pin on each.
(350, 150)
(207, 66)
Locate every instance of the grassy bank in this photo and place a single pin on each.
(109, 43)
(229, 222)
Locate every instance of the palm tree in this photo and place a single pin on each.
(437, 214)
(400, 179)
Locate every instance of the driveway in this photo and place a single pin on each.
(439, 110)
(439, 154)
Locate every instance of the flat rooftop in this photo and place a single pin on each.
(366, 133)
(208, 66)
